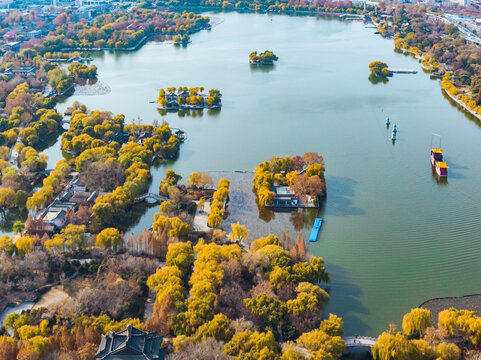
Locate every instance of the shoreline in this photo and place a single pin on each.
(462, 104)
(470, 302)
(452, 97)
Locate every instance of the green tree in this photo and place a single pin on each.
(270, 312)
(6, 245)
(18, 227)
(218, 328)
(181, 255)
(239, 232)
(379, 69)
(176, 226)
(21, 198)
(171, 178)
(448, 351)
(108, 238)
(7, 198)
(24, 245)
(74, 236)
(394, 346)
(318, 342)
(289, 352)
(332, 326)
(416, 321)
(248, 345)
(451, 29)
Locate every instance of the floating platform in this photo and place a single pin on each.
(315, 230)
(403, 71)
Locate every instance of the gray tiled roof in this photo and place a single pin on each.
(131, 344)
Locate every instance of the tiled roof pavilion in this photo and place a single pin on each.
(131, 344)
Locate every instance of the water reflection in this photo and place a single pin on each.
(340, 195)
(179, 45)
(265, 214)
(84, 82)
(188, 112)
(262, 68)
(438, 179)
(49, 141)
(191, 113)
(9, 217)
(470, 116)
(134, 216)
(377, 80)
(303, 218)
(345, 301)
(213, 112)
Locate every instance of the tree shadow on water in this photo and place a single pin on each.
(377, 80)
(9, 217)
(345, 301)
(303, 218)
(262, 68)
(340, 191)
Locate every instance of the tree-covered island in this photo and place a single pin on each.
(290, 182)
(379, 69)
(265, 58)
(188, 98)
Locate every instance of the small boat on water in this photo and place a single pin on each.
(388, 121)
(437, 160)
(315, 230)
(394, 128)
(441, 169)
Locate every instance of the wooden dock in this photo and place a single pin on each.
(403, 71)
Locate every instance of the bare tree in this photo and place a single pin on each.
(208, 349)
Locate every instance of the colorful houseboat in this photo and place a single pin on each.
(441, 168)
(437, 162)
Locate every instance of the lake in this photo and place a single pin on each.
(393, 236)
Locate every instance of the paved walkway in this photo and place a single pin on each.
(200, 217)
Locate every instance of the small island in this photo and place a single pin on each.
(379, 69)
(296, 182)
(265, 58)
(181, 40)
(188, 98)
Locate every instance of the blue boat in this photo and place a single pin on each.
(315, 229)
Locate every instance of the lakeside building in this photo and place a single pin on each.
(12, 46)
(34, 34)
(285, 198)
(55, 215)
(131, 344)
(25, 71)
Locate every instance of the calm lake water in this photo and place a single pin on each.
(393, 236)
